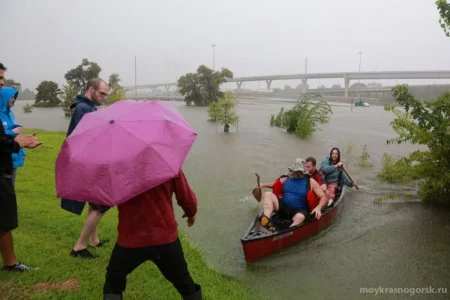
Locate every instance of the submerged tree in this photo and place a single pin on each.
(214, 111)
(81, 74)
(69, 91)
(189, 87)
(225, 111)
(27, 108)
(428, 124)
(304, 118)
(47, 95)
(203, 87)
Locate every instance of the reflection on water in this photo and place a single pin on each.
(368, 245)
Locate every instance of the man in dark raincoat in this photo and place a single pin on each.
(96, 92)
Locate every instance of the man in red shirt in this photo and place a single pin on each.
(316, 174)
(147, 230)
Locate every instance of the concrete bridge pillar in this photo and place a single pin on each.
(304, 85)
(268, 82)
(167, 88)
(239, 85)
(347, 84)
(153, 89)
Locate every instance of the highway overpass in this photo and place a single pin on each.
(347, 76)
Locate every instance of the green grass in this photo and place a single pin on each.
(47, 233)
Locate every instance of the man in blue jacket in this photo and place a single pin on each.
(96, 91)
(8, 97)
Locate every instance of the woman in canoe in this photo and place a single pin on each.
(331, 167)
(293, 196)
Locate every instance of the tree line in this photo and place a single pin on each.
(49, 94)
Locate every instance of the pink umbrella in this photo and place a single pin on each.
(121, 151)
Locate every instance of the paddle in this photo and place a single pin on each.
(257, 191)
(357, 187)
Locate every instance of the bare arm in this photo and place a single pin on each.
(316, 188)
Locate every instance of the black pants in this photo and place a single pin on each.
(8, 205)
(168, 258)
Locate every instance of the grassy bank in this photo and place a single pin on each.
(46, 234)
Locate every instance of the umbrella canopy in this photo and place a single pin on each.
(121, 151)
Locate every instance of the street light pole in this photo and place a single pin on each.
(306, 66)
(360, 55)
(213, 46)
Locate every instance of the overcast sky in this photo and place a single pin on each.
(41, 40)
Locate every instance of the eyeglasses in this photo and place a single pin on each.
(102, 93)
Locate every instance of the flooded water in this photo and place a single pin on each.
(370, 245)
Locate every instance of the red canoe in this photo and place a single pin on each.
(259, 242)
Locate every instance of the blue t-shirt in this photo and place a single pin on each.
(295, 192)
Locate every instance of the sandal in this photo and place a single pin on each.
(265, 222)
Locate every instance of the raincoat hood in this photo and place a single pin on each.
(7, 93)
(81, 99)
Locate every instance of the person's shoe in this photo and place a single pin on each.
(82, 253)
(18, 267)
(266, 223)
(101, 243)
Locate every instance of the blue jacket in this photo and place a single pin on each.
(9, 122)
(333, 174)
(80, 106)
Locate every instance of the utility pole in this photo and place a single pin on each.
(359, 81)
(135, 80)
(214, 47)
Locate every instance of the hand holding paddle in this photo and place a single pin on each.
(357, 187)
(257, 191)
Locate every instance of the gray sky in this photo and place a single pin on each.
(41, 40)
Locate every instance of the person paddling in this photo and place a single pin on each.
(331, 168)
